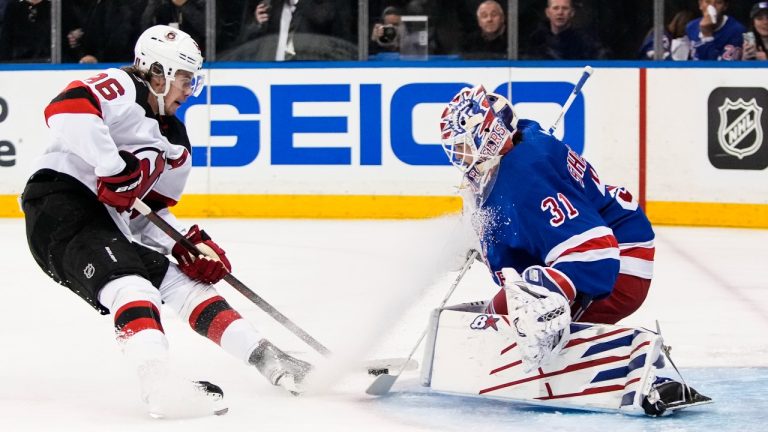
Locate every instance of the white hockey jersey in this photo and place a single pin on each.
(91, 120)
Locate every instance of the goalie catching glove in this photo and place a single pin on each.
(209, 267)
(541, 316)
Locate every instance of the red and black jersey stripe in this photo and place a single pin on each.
(211, 317)
(77, 98)
(136, 316)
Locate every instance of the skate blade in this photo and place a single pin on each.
(677, 407)
(288, 383)
(161, 416)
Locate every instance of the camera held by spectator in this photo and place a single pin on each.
(385, 34)
(388, 35)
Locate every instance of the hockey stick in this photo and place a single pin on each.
(576, 90)
(153, 217)
(383, 383)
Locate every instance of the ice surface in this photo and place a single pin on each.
(365, 289)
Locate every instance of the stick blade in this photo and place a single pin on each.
(381, 385)
(384, 366)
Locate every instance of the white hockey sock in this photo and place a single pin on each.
(209, 314)
(216, 320)
(240, 339)
(135, 307)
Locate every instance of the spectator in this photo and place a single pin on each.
(489, 39)
(74, 14)
(674, 37)
(3, 5)
(301, 30)
(26, 32)
(759, 30)
(110, 29)
(715, 36)
(385, 35)
(185, 15)
(559, 40)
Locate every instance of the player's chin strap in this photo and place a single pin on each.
(172, 232)
(161, 97)
(160, 104)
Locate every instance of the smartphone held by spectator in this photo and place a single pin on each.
(756, 39)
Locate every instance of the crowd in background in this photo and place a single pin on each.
(281, 30)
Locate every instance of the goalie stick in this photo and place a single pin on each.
(576, 90)
(384, 382)
(153, 217)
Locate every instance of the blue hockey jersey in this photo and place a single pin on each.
(549, 207)
(724, 44)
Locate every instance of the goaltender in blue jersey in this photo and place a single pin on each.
(563, 245)
(549, 208)
(543, 211)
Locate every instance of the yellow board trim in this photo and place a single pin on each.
(317, 206)
(708, 214)
(9, 206)
(299, 206)
(419, 207)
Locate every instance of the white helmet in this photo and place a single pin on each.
(172, 50)
(475, 127)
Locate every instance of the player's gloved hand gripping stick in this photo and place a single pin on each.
(144, 209)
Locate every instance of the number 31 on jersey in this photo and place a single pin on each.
(559, 208)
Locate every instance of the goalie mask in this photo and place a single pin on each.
(475, 127)
(163, 50)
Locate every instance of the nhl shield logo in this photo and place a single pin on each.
(89, 271)
(737, 128)
(740, 133)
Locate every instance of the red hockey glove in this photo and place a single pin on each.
(210, 267)
(122, 189)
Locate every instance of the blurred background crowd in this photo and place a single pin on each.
(104, 31)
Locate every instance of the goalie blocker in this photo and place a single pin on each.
(603, 367)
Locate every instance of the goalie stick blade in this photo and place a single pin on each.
(381, 385)
(384, 366)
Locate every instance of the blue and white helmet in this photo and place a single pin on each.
(475, 127)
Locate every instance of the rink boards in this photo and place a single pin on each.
(352, 140)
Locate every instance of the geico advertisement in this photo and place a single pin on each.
(338, 131)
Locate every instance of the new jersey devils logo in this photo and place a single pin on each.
(740, 132)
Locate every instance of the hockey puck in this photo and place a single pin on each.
(378, 371)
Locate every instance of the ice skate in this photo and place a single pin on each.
(667, 396)
(280, 368)
(169, 396)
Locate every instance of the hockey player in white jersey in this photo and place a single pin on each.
(114, 138)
